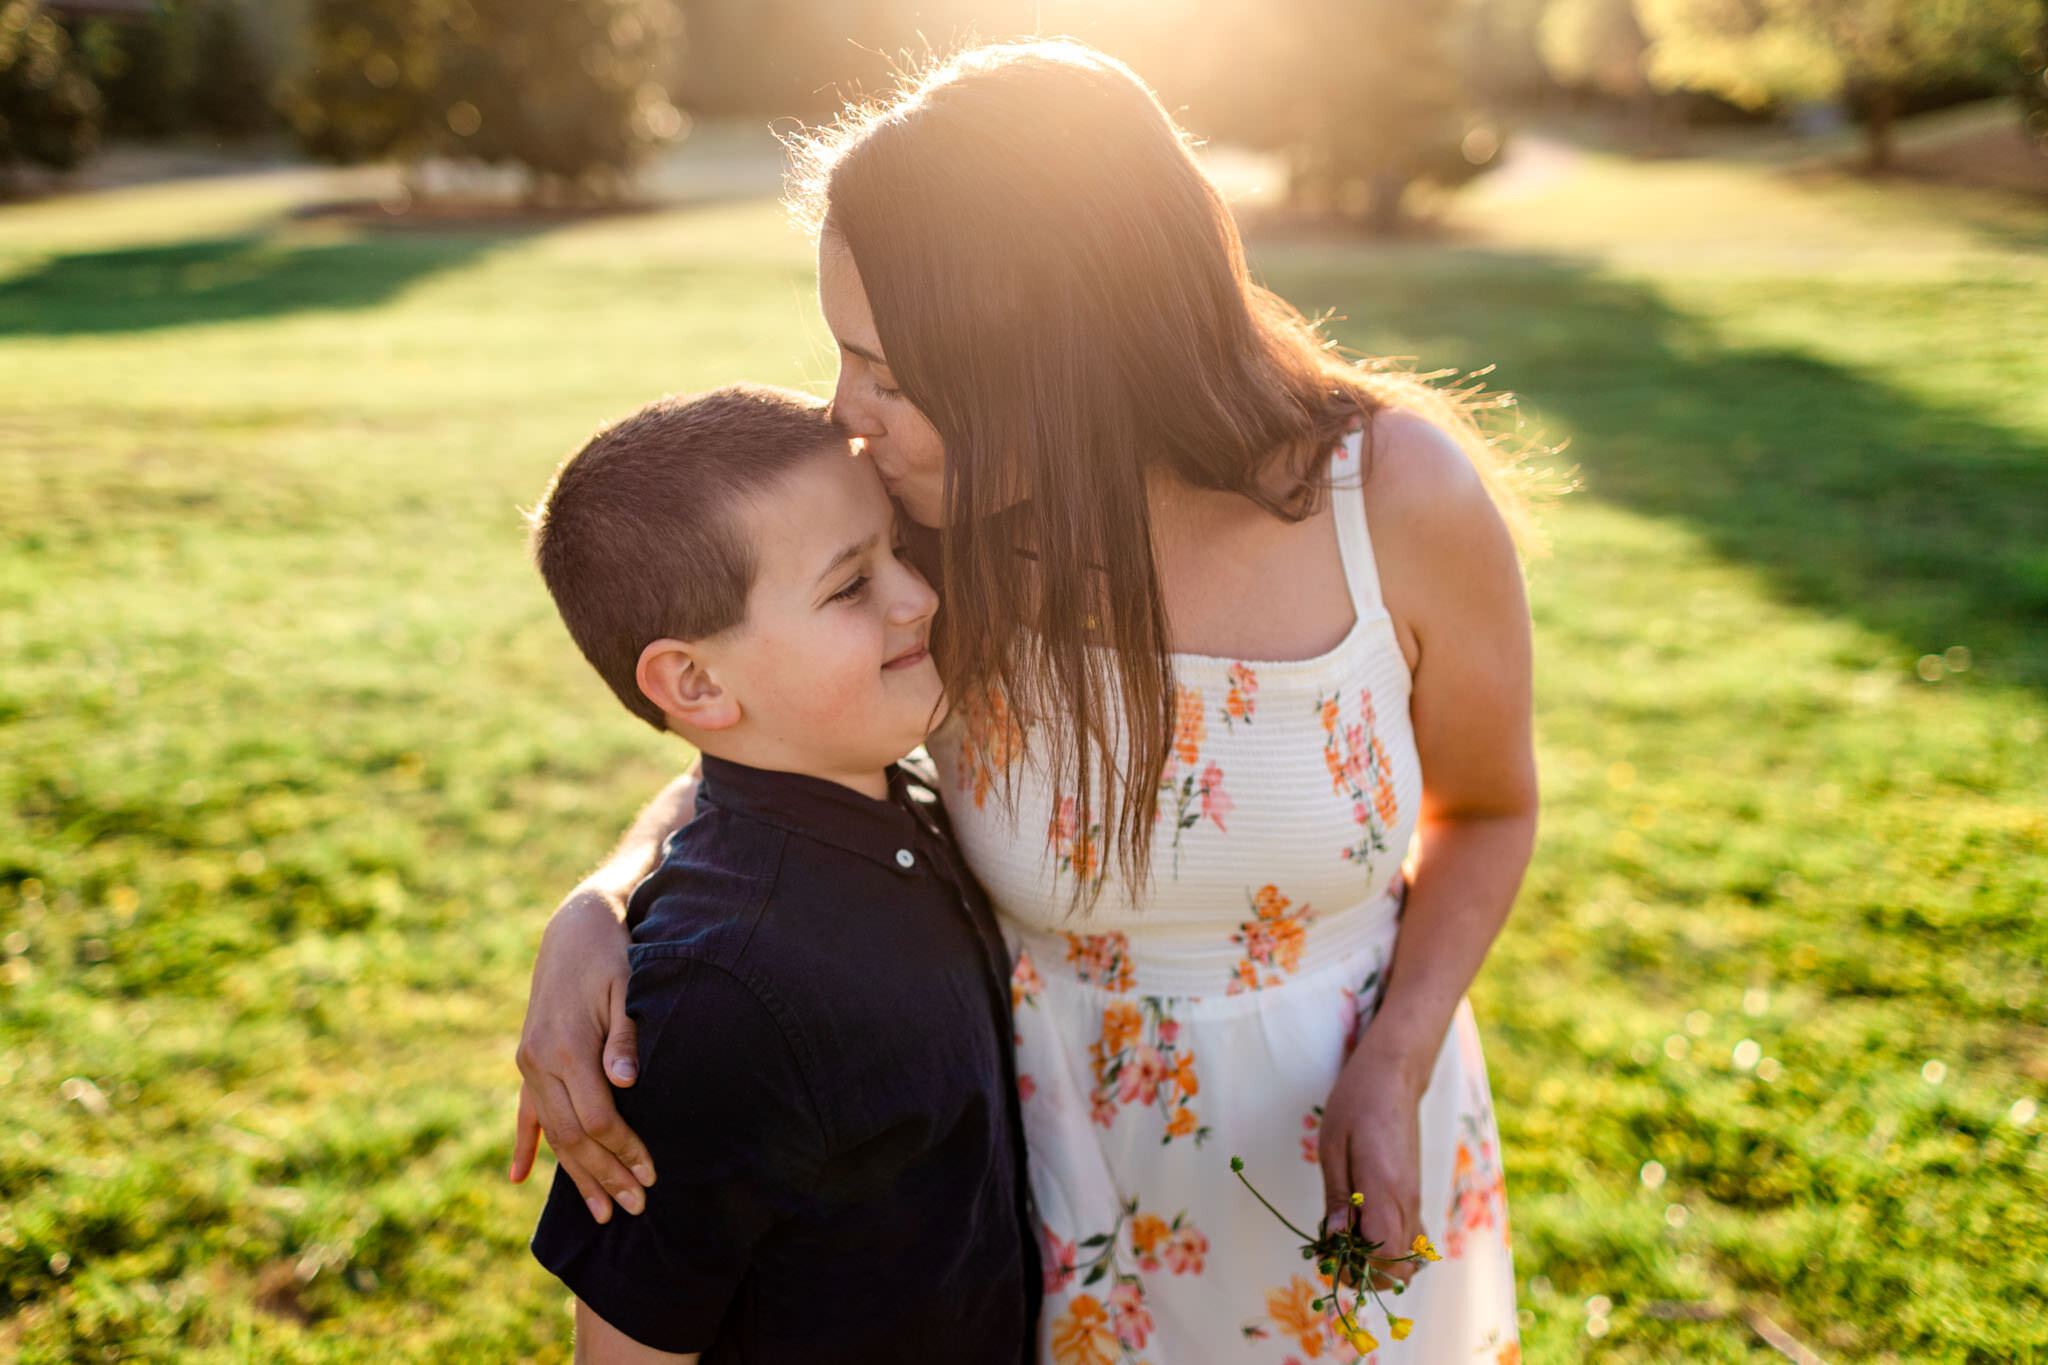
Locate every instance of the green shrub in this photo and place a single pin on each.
(230, 80)
(368, 92)
(570, 89)
(49, 106)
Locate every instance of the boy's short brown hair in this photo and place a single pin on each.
(638, 535)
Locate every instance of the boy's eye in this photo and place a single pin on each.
(851, 591)
(884, 389)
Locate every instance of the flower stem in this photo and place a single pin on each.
(1270, 1209)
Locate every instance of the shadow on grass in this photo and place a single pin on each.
(228, 279)
(1920, 521)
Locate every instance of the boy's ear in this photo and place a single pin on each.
(673, 676)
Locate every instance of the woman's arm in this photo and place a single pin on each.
(1453, 582)
(577, 1031)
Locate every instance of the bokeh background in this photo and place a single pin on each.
(301, 301)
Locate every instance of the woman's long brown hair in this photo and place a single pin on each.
(1063, 293)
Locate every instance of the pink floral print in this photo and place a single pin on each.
(1077, 851)
(1100, 960)
(992, 741)
(1241, 697)
(1478, 1200)
(1360, 767)
(1138, 1061)
(1097, 1331)
(1194, 791)
(1272, 940)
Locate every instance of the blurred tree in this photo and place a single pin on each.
(1596, 45)
(570, 89)
(1869, 52)
(229, 79)
(49, 106)
(1505, 52)
(140, 72)
(369, 89)
(2034, 86)
(1363, 97)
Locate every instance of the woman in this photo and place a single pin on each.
(1228, 622)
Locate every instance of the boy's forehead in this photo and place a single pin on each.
(825, 506)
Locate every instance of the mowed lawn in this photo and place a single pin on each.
(294, 757)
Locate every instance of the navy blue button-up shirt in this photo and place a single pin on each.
(826, 1087)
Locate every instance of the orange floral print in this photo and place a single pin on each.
(1122, 1022)
(1101, 960)
(1272, 939)
(1122, 1326)
(1189, 726)
(1290, 1313)
(1241, 698)
(1078, 851)
(1510, 1354)
(1194, 795)
(1138, 1061)
(1289, 1309)
(1083, 1336)
(1311, 1133)
(1361, 768)
(1478, 1193)
(1148, 1231)
(991, 742)
(1026, 985)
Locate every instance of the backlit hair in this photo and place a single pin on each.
(1060, 289)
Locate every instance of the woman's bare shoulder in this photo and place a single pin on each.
(1442, 547)
(1418, 471)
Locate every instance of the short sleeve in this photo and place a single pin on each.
(726, 1112)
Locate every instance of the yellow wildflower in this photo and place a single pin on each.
(1362, 1341)
(1400, 1327)
(1421, 1247)
(1357, 1198)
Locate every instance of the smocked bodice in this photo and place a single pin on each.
(1289, 797)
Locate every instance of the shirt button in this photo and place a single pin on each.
(905, 858)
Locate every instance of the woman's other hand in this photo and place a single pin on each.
(576, 1034)
(577, 1031)
(1371, 1144)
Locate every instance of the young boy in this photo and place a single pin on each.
(825, 1083)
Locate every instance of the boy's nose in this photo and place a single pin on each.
(917, 600)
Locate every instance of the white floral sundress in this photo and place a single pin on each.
(1157, 1040)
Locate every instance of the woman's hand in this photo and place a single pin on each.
(1371, 1143)
(576, 1033)
(577, 1030)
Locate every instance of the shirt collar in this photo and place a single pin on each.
(880, 831)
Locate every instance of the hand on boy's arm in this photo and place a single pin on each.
(577, 1031)
(600, 1343)
(727, 1109)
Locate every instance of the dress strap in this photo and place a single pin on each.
(1354, 541)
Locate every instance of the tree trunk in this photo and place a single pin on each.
(1878, 118)
(1383, 203)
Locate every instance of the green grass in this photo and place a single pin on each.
(295, 755)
